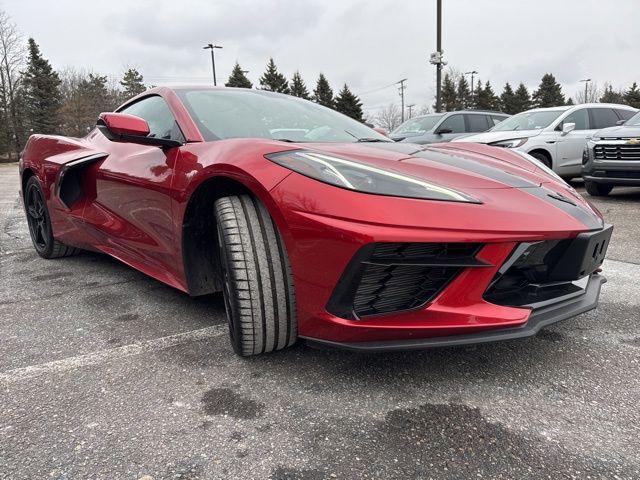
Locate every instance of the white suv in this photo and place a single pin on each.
(556, 136)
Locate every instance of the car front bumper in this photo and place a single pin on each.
(541, 316)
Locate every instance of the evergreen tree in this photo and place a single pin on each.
(610, 96)
(632, 96)
(298, 87)
(487, 100)
(522, 100)
(132, 83)
(570, 102)
(463, 94)
(349, 104)
(238, 78)
(549, 93)
(475, 95)
(449, 95)
(41, 93)
(323, 93)
(273, 80)
(508, 102)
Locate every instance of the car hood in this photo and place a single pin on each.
(490, 137)
(620, 131)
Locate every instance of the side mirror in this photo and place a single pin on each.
(621, 122)
(381, 131)
(441, 131)
(120, 127)
(568, 127)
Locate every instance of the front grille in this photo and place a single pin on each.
(385, 278)
(529, 275)
(617, 152)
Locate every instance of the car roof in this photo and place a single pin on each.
(485, 112)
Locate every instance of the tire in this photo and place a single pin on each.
(256, 277)
(597, 189)
(39, 223)
(542, 157)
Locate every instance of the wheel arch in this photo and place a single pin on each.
(545, 152)
(27, 173)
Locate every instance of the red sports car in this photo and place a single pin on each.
(315, 226)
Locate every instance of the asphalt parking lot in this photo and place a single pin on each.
(107, 374)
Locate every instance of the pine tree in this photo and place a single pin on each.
(449, 94)
(463, 94)
(611, 96)
(549, 93)
(132, 83)
(238, 79)
(632, 96)
(570, 102)
(298, 87)
(41, 93)
(273, 80)
(349, 104)
(508, 100)
(475, 94)
(522, 100)
(323, 93)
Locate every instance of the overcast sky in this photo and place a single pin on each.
(368, 44)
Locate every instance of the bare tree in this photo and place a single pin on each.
(389, 117)
(12, 58)
(593, 94)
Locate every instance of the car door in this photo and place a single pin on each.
(569, 146)
(132, 208)
(477, 123)
(451, 127)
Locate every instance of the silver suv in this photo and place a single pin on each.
(444, 127)
(612, 157)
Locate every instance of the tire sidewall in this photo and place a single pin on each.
(34, 183)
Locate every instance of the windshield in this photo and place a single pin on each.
(532, 120)
(417, 125)
(240, 113)
(633, 121)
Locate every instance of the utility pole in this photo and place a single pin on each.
(410, 107)
(586, 88)
(211, 47)
(401, 90)
(436, 57)
(472, 73)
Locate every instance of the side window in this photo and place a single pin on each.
(580, 118)
(156, 112)
(603, 117)
(496, 120)
(625, 114)
(477, 123)
(455, 123)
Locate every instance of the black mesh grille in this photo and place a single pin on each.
(390, 277)
(617, 152)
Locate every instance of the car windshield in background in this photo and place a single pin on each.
(528, 121)
(417, 125)
(633, 121)
(239, 113)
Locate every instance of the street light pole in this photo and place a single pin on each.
(472, 73)
(586, 88)
(211, 47)
(401, 89)
(410, 107)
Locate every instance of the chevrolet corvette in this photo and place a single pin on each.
(316, 227)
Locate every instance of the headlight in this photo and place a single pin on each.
(511, 143)
(364, 178)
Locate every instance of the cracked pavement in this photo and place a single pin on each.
(108, 374)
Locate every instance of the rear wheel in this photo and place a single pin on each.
(40, 224)
(597, 189)
(256, 276)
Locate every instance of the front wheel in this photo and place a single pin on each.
(597, 189)
(40, 224)
(256, 277)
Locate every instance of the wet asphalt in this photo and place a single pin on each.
(108, 374)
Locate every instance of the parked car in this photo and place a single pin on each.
(314, 226)
(444, 127)
(556, 136)
(612, 158)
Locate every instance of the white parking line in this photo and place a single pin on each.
(104, 356)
